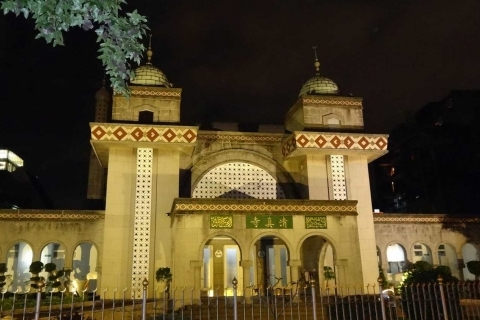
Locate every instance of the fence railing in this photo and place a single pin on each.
(304, 301)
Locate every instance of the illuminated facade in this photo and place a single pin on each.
(214, 205)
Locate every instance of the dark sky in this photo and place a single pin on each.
(242, 61)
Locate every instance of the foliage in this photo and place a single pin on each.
(462, 226)
(53, 280)
(328, 273)
(381, 275)
(163, 275)
(119, 35)
(36, 267)
(3, 269)
(424, 272)
(420, 289)
(474, 268)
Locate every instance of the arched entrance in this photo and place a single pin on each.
(317, 257)
(84, 266)
(221, 263)
(19, 258)
(271, 263)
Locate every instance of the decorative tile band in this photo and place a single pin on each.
(155, 93)
(231, 137)
(333, 102)
(269, 222)
(265, 207)
(149, 134)
(425, 219)
(315, 222)
(52, 216)
(333, 141)
(221, 222)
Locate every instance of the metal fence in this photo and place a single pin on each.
(303, 301)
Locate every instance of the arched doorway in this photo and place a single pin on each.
(271, 263)
(52, 253)
(221, 264)
(84, 266)
(19, 258)
(317, 257)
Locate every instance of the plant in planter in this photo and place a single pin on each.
(163, 277)
(35, 268)
(328, 274)
(53, 280)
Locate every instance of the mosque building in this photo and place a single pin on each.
(214, 205)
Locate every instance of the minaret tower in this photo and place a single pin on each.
(142, 149)
(329, 155)
(96, 173)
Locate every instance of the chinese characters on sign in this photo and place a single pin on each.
(221, 222)
(269, 222)
(315, 222)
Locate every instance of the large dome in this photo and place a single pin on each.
(150, 76)
(319, 85)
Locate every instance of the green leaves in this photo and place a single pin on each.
(119, 35)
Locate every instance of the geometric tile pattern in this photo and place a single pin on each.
(249, 137)
(147, 92)
(333, 102)
(337, 167)
(238, 180)
(58, 215)
(333, 141)
(264, 208)
(141, 225)
(111, 132)
(437, 219)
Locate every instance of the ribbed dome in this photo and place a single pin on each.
(319, 85)
(150, 76)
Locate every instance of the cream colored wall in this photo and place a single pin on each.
(119, 213)
(165, 190)
(358, 188)
(315, 173)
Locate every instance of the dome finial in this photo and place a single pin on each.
(149, 51)
(317, 63)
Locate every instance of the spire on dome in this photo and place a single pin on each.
(148, 74)
(149, 51)
(318, 85)
(317, 63)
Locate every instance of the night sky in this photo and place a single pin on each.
(242, 61)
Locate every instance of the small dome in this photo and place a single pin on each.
(319, 85)
(150, 76)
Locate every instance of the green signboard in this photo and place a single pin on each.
(269, 222)
(315, 222)
(221, 222)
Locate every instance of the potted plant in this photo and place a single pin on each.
(328, 274)
(53, 281)
(35, 268)
(163, 277)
